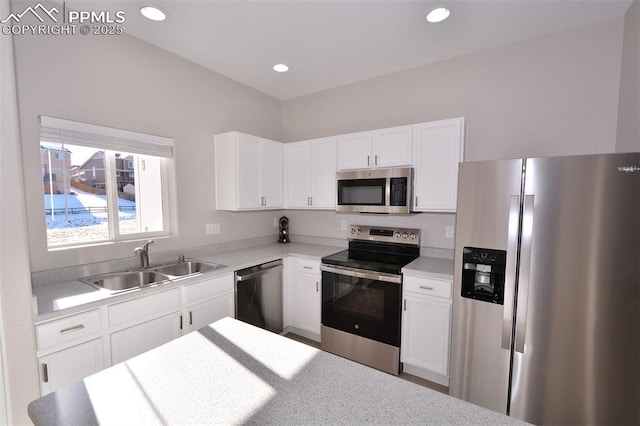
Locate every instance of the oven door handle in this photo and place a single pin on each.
(360, 273)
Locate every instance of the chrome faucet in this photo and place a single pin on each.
(143, 252)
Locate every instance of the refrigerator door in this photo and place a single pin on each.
(488, 206)
(577, 356)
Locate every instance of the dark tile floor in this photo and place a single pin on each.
(405, 376)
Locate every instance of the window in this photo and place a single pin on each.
(88, 196)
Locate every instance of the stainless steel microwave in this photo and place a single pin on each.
(375, 191)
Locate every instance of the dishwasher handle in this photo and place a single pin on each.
(254, 271)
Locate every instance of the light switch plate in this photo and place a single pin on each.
(448, 231)
(212, 228)
(343, 225)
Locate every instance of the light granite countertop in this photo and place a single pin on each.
(231, 372)
(72, 296)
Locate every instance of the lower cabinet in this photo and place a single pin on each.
(69, 365)
(426, 328)
(306, 301)
(202, 314)
(140, 338)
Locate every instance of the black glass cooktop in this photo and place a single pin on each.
(373, 258)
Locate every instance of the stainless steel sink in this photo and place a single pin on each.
(127, 280)
(120, 281)
(187, 268)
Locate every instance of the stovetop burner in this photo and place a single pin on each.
(378, 249)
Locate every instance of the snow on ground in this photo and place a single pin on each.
(67, 228)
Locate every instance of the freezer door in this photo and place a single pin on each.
(488, 199)
(577, 358)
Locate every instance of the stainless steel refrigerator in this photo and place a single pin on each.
(546, 309)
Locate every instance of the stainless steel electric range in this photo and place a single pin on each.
(362, 295)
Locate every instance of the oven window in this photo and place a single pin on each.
(362, 192)
(366, 307)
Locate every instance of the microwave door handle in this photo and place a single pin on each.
(510, 273)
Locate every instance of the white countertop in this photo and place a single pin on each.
(65, 298)
(231, 372)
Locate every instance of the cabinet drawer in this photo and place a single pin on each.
(143, 307)
(308, 266)
(67, 329)
(428, 286)
(208, 288)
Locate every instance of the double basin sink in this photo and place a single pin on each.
(126, 280)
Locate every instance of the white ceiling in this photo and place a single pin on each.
(330, 43)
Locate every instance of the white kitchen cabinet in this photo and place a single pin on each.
(380, 148)
(310, 174)
(74, 363)
(426, 328)
(248, 172)
(306, 301)
(438, 148)
(208, 301)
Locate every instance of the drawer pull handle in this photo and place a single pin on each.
(307, 267)
(72, 329)
(424, 287)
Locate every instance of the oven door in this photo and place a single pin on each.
(365, 303)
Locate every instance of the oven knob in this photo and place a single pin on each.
(353, 230)
(413, 236)
(397, 235)
(405, 235)
(357, 327)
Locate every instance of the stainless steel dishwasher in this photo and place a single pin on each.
(258, 295)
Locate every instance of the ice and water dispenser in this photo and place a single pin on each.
(483, 272)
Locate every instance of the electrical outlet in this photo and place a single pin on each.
(212, 228)
(275, 222)
(343, 225)
(448, 231)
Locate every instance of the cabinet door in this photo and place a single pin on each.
(271, 174)
(354, 151)
(202, 314)
(438, 148)
(140, 338)
(248, 172)
(308, 302)
(392, 147)
(298, 182)
(425, 334)
(323, 171)
(69, 365)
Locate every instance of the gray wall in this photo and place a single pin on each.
(122, 82)
(628, 137)
(553, 95)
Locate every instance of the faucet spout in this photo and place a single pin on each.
(143, 252)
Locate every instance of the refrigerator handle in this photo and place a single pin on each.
(510, 272)
(525, 269)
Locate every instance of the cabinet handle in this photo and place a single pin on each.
(375, 160)
(180, 322)
(416, 201)
(311, 201)
(368, 162)
(72, 329)
(190, 317)
(405, 305)
(307, 267)
(426, 287)
(45, 372)
(317, 290)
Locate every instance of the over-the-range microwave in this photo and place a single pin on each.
(375, 191)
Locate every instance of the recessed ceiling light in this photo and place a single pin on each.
(153, 13)
(438, 15)
(280, 68)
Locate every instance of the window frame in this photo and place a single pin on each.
(119, 146)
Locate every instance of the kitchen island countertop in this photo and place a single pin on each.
(230, 373)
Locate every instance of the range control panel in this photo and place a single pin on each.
(388, 235)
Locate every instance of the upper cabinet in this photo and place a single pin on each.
(438, 148)
(389, 147)
(248, 172)
(310, 171)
